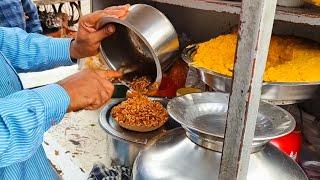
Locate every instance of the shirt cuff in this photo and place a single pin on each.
(59, 50)
(56, 102)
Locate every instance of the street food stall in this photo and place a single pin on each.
(58, 15)
(228, 126)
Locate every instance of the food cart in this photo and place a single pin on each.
(201, 20)
(49, 10)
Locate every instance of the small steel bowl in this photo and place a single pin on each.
(124, 145)
(145, 38)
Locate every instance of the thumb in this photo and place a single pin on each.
(103, 32)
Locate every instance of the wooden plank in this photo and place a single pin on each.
(307, 15)
(256, 20)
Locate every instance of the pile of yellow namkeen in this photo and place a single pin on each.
(290, 59)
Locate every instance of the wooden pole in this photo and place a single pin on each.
(256, 22)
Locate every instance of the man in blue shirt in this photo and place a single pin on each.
(20, 13)
(26, 114)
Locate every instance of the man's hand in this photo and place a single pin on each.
(89, 89)
(88, 37)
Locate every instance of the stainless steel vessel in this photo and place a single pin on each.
(124, 145)
(179, 158)
(194, 151)
(145, 39)
(275, 93)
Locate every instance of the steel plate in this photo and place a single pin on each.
(275, 93)
(112, 127)
(207, 112)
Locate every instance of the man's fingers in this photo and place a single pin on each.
(116, 13)
(93, 18)
(96, 103)
(106, 88)
(101, 34)
(108, 74)
(124, 7)
(107, 92)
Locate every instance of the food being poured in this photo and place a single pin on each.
(138, 112)
(140, 84)
(290, 59)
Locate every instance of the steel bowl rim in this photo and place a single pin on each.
(103, 120)
(226, 95)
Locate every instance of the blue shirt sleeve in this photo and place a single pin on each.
(24, 117)
(34, 52)
(33, 22)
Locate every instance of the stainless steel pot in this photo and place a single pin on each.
(124, 145)
(144, 38)
(180, 158)
(195, 151)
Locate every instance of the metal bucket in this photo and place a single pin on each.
(145, 38)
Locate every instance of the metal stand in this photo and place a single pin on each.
(253, 43)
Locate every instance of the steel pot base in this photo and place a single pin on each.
(179, 158)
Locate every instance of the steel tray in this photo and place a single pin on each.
(275, 93)
(207, 113)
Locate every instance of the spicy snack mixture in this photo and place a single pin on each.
(141, 112)
(138, 112)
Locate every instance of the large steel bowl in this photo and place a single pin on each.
(279, 93)
(145, 38)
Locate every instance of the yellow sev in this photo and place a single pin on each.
(290, 59)
(317, 2)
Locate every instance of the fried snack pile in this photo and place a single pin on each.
(140, 113)
(290, 59)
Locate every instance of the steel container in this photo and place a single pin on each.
(144, 39)
(181, 158)
(194, 151)
(278, 93)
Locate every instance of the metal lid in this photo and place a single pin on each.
(112, 128)
(204, 115)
